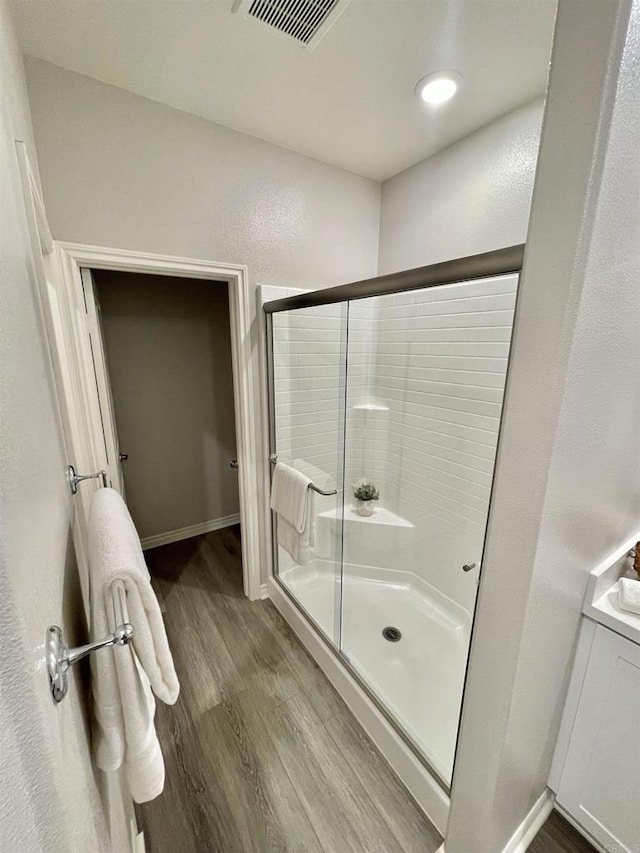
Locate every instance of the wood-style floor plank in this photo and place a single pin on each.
(262, 755)
(341, 811)
(259, 658)
(250, 763)
(318, 689)
(558, 836)
(187, 817)
(261, 793)
(208, 672)
(413, 831)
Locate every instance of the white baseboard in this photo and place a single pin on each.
(410, 770)
(264, 591)
(188, 532)
(532, 824)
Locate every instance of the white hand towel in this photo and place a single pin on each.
(123, 677)
(629, 595)
(292, 500)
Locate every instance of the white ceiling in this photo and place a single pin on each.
(350, 102)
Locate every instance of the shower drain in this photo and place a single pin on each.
(392, 634)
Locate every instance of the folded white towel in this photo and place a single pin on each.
(629, 595)
(123, 677)
(292, 500)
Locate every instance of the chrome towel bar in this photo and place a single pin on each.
(74, 478)
(59, 658)
(273, 459)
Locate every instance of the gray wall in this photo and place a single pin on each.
(471, 197)
(168, 350)
(566, 492)
(120, 170)
(49, 802)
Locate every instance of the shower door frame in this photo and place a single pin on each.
(486, 265)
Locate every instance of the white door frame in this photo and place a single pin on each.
(70, 258)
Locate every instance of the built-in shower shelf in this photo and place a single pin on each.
(370, 407)
(380, 516)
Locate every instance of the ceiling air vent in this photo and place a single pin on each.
(306, 21)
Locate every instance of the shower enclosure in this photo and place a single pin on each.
(398, 381)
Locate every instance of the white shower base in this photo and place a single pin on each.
(418, 679)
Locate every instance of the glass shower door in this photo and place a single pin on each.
(425, 380)
(393, 403)
(308, 368)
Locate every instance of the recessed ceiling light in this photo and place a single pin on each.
(439, 87)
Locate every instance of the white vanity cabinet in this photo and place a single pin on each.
(596, 771)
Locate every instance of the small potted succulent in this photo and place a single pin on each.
(365, 494)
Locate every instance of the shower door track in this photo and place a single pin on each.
(486, 265)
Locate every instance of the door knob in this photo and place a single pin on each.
(123, 457)
(233, 463)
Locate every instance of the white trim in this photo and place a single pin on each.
(75, 357)
(264, 591)
(56, 314)
(532, 823)
(410, 770)
(192, 530)
(32, 192)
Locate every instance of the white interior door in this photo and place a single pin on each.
(103, 385)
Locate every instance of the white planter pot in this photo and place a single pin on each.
(364, 508)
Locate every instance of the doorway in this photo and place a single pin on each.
(80, 356)
(169, 395)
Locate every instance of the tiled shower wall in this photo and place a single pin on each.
(426, 375)
(435, 392)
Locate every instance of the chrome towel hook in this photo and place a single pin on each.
(74, 478)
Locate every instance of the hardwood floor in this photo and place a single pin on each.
(558, 836)
(262, 755)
